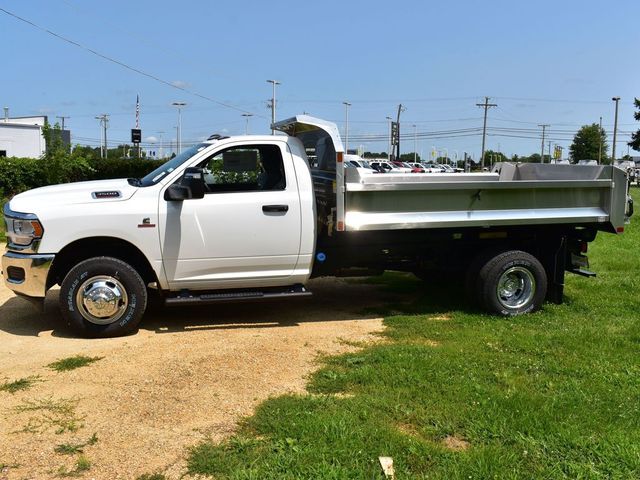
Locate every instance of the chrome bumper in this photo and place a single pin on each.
(25, 273)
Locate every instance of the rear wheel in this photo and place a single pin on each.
(103, 297)
(512, 283)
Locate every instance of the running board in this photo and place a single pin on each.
(582, 272)
(187, 297)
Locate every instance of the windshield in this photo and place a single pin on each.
(166, 168)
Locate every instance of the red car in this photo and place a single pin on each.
(413, 168)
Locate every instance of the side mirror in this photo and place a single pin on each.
(176, 193)
(190, 186)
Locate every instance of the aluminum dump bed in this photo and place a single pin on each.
(511, 195)
(514, 194)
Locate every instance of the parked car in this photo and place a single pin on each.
(354, 161)
(432, 168)
(417, 166)
(388, 167)
(404, 166)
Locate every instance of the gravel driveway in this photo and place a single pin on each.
(188, 374)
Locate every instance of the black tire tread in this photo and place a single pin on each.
(490, 272)
(129, 276)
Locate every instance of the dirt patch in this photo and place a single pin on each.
(455, 443)
(440, 318)
(186, 375)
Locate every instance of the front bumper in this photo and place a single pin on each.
(26, 273)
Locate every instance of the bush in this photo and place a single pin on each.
(122, 168)
(20, 174)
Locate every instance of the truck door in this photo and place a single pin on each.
(246, 230)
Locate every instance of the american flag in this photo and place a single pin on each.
(137, 111)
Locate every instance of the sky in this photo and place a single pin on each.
(542, 62)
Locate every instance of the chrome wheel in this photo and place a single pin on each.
(516, 287)
(102, 300)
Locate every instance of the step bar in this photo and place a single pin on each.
(186, 297)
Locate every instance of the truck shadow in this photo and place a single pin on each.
(333, 300)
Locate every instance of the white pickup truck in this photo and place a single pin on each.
(247, 218)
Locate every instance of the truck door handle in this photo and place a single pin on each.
(275, 208)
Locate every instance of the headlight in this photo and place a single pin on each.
(22, 228)
(24, 231)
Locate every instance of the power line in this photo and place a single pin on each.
(124, 65)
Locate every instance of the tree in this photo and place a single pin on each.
(59, 166)
(586, 143)
(491, 157)
(374, 155)
(635, 137)
(408, 157)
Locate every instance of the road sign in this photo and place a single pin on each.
(136, 135)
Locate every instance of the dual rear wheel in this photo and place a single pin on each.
(507, 283)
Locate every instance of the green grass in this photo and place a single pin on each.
(152, 476)
(71, 363)
(20, 384)
(49, 414)
(555, 394)
(73, 448)
(82, 465)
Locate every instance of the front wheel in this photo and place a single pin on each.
(103, 297)
(512, 283)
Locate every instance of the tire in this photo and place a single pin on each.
(472, 277)
(103, 297)
(512, 283)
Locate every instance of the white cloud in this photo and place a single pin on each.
(180, 84)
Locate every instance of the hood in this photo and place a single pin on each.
(97, 191)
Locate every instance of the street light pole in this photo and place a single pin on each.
(179, 106)
(273, 103)
(246, 125)
(161, 132)
(346, 126)
(615, 131)
(389, 150)
(415, 143)
(600, 143)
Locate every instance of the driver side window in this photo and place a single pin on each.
(245, 168)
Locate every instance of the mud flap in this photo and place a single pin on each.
(555, 271)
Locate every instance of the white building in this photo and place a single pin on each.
(22, 137)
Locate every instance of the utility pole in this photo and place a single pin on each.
(346, 126)
(615, 132)
(62, 117)
(400, 110)
(273, 103)
(486, 105)
(544, 127)
(600, 143)
(549, 142)
(104, 123)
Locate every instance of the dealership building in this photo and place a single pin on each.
(22, 136)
